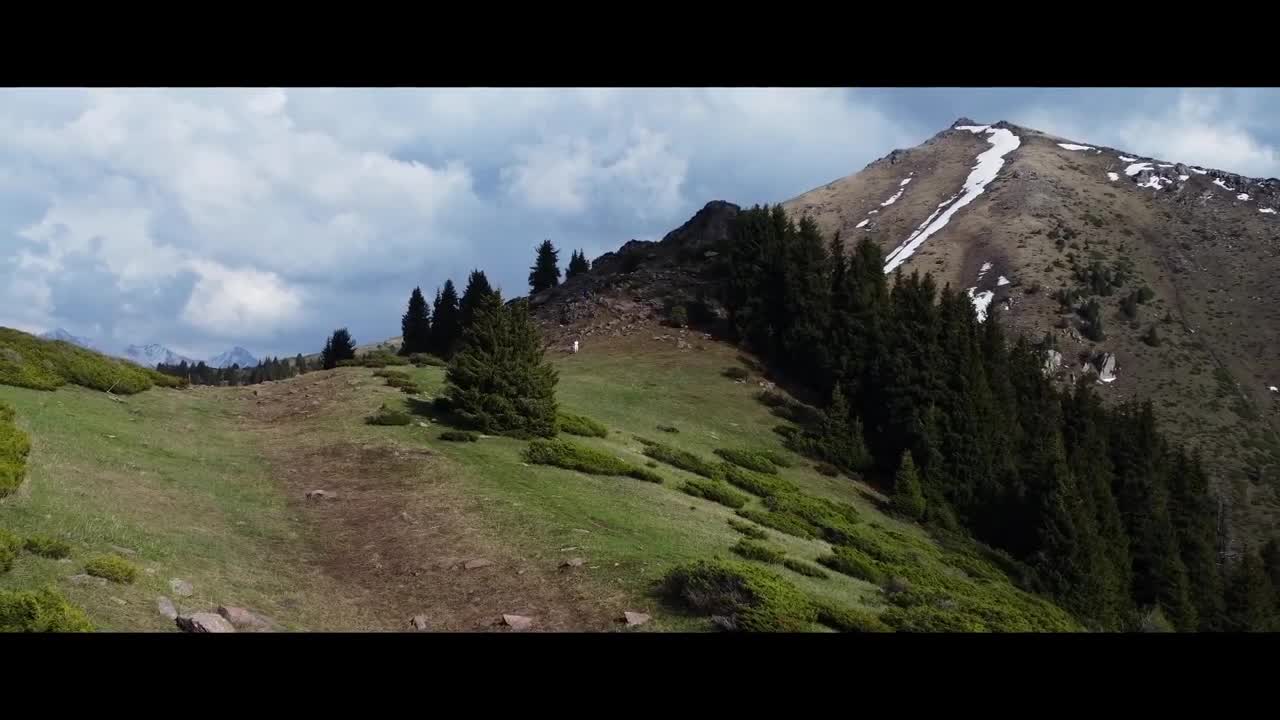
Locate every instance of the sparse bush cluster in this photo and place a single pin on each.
(807, 569)
(426, 360)
(32, 362)
(748, 529)
(760, 485)
(749, 459)
(570, 456)
(761, 552)
(742, 597)
(9, 546)
(680, 458)
(40, 611)
(45, 546)
(459, 436)
(580, 425)
(113, 568)
(387, 415)
(14, 448)
(715, 491)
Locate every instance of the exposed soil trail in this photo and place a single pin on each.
(396, 534)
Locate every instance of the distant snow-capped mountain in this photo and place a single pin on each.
(60, 334)
(235, 356)
(152, 354)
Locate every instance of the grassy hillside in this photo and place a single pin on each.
(32, 362)
(209, 486)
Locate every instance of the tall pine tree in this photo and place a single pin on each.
(340, 346)
(446, 322)
(578, 265)
(478, 289)
(545, 273)
(415, 325)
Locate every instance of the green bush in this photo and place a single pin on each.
(411, 389)
(14, 448)
(833, 521)
(45, 546)
(112, 567)
(748, 459)
(355, 362)
(380, 359)
(747, 598)
(715, 491)
(776, 458)
(781, 523)
(425, 360)
(826, 468)
(761, 485)
(681, 459)
(931, 619)
(786, 431)
(40, 611)
(580, 425)
(679, 316)
(748, 529)
(736, 373)
(32, 362)
(389, 416)
(850, 620)
(754, 550)
(854, 564)
(398, 380)
(9, 546)
(805, 568)
(385, 373)
(564, 454)
(459, 436)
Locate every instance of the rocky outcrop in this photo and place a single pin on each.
(242, 619)
(1052, 362)
(204, 623)
(1105, 364)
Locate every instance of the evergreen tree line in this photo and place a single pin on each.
(268, 369)
(1100, 511)
(437, 328)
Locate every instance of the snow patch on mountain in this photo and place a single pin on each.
(153, 354)
(63, 335)
(235, 356)
(1073, 146)
(989, 163)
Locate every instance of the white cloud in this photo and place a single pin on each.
(240, 303)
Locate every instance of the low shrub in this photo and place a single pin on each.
(806, 569)
(826, 468)
(459, 436)
(715, 491)
(40, 611)
(14, 448)
(678, 317)
(736, 373)
(834, 522)
(786, 431)
(748, 459)
(760, 485)
(32, 362)
(45, 546)
(425, 360)
(781, 523)
(397, 379)
(754, 550)
(681, 459)
(411, 389)
(112, 567)
(854, 564)
(391, 373)
(389, 416)
(741, 597)
(567, 455)
(9, 546)
(580, 425)
(776, 458)
(748, 529)
(668, 429)
(849, 620)
(381, 359)
(928, 618)
(651, 463)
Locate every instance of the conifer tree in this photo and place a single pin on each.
(545, 273)
(1192, 513)
(908, 499)
(499, 380)
(578, 265)
(446, 323)
(299, 364)
(477, 289)
(1250, 600)
(340, 346)
(415, 325)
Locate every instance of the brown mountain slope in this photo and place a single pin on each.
(1197, 237)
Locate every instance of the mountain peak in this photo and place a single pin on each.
(235, 356)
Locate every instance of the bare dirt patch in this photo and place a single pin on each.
(398, 531)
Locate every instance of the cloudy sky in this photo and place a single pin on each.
(203, 219)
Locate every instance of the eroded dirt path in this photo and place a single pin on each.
(396, 536)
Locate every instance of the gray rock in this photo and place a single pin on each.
(181, 588)
(573, 563)
(242, 619)
(204, 623)
(118, 601)
(419, 623)
(477, 563)
(1106, 364)
(635, 618)
(518, 622)
(166, 608)
(321, 495)
(83, 579)
(1052, 362)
